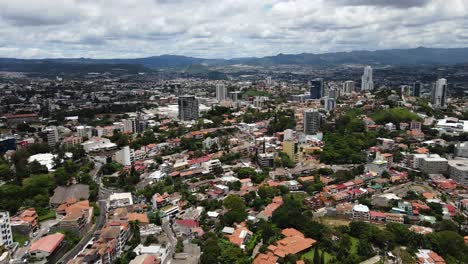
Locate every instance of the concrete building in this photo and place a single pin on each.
(461, 149)
(25, 221)
(84, 131)
(235, 96)
(415, 125)
(329, 103)
(291, 148)
(348, 87)
(312, 121)
(52, 135)
(417, 158)
(266, 160)
(96, 144)
(439, 94)
(47, 246)
(6, 236)
(268, 82)
(434, 165)
(212, 165)
(124, 156)
(417, 87)
(361, 212)
(367, 83)
(316, 88)
(117, 200)
(129, 125)
(188, 108)
(221, 92)
(458, 170)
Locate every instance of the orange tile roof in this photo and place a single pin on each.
(267, 258)
(275, 204)
(239, 235)
(141, 218)
(293, 243)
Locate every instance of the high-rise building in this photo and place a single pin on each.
(348, 87)
(268, 82)
(316, 88)
(124, 156)
(188, 108)
(312, 120)
(52, 135)
(333, 93)
(6, 236)
(330, 103)
(417, 87)
(234, 96)
(221, 92)
(367, 84)
(291, 148)
(84, 131)
(130, 125)
(439, 93)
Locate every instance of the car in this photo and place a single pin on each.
(26, 243)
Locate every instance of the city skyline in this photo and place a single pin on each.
(225, 29)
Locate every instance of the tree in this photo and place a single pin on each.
(236, 210)
(36, 168)
(179, 246)
(316, 256)
(365, 248)
(5, 172)
(211, 250)
(448, 243)
(446, 225)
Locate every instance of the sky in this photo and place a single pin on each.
(225, 28)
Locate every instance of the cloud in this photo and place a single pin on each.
(391, 3)
(225, 28)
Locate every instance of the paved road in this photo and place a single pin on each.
(166, 227)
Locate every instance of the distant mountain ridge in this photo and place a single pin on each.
(414, 56)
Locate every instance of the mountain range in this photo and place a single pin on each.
(416, 56)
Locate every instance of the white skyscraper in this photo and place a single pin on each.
(6, 236)
(367, 83)
(221, 92)
(439, 94)
(268, 82)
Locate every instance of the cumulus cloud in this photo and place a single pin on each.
(225, 28)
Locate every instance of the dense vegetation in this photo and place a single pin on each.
(346, 141)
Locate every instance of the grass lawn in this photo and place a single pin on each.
(354, 245)
(310, 255)
(20, 238)
(333, 222)
(50, 214)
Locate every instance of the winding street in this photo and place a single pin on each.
(166, 226)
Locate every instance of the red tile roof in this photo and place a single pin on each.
(48, 243)
(187, 223)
